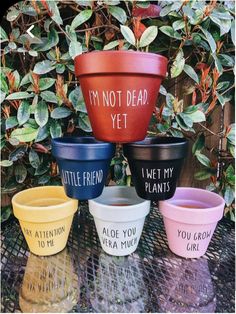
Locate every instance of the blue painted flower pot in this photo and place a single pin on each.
(83, 163)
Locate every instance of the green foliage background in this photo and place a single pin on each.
(41, 98)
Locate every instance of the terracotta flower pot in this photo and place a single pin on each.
(190, 218)
(83, 163)
(45, 215)
(119, 216)
(155, 165)
(120, 89)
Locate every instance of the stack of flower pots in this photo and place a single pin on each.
(120, 89)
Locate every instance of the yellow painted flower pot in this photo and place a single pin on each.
(45, 215)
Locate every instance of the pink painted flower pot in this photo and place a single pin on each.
(190, 218)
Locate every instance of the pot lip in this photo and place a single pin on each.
(34, 213)
(126, 207)
(180, 142)
(71, 142)
(124, 52)
(120, 62)
(195, 210)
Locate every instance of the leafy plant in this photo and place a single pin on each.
(41, 98)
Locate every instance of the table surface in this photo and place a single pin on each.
(82, 278)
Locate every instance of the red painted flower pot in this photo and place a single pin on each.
(120, 89)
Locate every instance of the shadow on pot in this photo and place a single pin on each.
(83, 163)
(118, 285)
(185, 286)
(155, 164)
(50, 284)
(120, 89)
(119, 215)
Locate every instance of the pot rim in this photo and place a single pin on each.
(156, 148)
(178, 141)
(74, 148)
(132, 212)
(193, 216)
(39, 214)
(155, 64)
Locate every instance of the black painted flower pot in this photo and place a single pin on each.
(155, 165)
(83, 163)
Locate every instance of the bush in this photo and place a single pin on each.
(41, 98)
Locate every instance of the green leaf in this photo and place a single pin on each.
(162, 90)
(148, 36)
(48, 42)
(23, 112)
(44, 179)
(118, 13)
(229, 195)
(12, 14)
(169, 31)
(178, 64)
(230, 175)
(6, 163)
(187, 120)
(55, 129)
(34, 158)
(75, 49)
(41, 113)
(231, 135)
(191, 73)
(3, 34)
(20, 173)
(202, 175)
(204, 160)
(82, 17)
(209, 39)
(2, 96)
(52, 5)
(179, 24)
(42, 168)
(111, 45)
(224, 25)
(166, 10)
(25, 80)
(223, 85)
(182, 123)
(84, 122)
(18, 153)
(198, 144)
(232, 32)
(77, 100)
(60, 68)
(197, 116)
(33, 53)
(128, 34)
(217, 63)
(11, 122)
(44, 83)
(6, 212)
(49, 96)
(43, 67)
(226, 60)
(17, 78)
(43, 133)
(60, 112)
(25, 134)
(19, 95)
